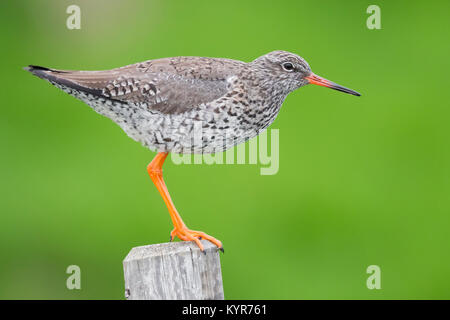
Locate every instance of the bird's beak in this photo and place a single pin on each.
(315, 79)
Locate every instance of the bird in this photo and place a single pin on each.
(164, 103)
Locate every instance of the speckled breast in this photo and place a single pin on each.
(208, 128)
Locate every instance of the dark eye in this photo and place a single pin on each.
(288, 66)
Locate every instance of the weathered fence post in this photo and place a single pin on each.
(174, 270)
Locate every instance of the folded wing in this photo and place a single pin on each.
(171, 85)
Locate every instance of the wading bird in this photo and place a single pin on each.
(159, 102)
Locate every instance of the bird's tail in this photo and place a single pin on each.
(65, 78)
(41, 72)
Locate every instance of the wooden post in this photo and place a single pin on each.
(173, 271)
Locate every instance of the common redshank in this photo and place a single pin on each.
(161, 102)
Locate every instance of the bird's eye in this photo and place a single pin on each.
(288, 66)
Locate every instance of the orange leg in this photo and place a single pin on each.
(180, 230)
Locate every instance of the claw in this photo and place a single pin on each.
(191, 235)
(172, 235)
(222, 249)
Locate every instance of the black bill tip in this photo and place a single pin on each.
(315, 79)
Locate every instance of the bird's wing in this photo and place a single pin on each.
(170, 85)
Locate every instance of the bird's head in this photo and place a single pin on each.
(289, 72)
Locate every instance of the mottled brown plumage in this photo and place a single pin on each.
(168, 85)
(189, 104)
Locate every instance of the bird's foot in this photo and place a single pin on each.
(186, 234)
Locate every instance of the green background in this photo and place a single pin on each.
(362, 181)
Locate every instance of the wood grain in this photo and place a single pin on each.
(173, 271)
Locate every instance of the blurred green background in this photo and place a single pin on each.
(362, 181)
